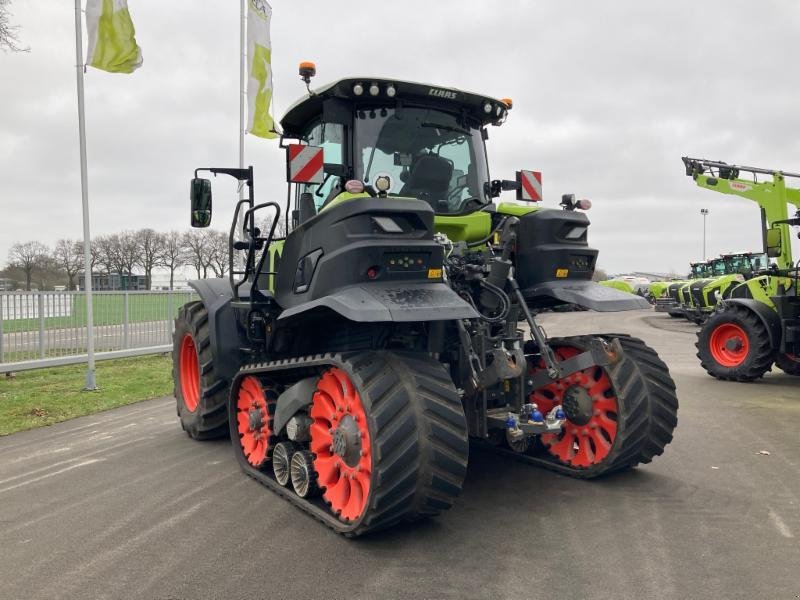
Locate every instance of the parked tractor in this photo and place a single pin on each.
(353, 360)
(758, 325)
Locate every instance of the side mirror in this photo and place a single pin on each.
(200, 195)
(773, 242)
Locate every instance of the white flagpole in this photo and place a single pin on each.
(242, 99)
(87, 240)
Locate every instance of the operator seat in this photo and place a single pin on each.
(429, 179)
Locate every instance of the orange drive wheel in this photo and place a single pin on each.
(729, 344)
(588, 400)
(189, 373)
(340, 441)
(255, 406)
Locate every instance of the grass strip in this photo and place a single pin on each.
(46, 396)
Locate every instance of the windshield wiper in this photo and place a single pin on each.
(447, 128)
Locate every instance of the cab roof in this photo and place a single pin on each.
(483, 109)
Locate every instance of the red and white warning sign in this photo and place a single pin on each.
(529, 186)
(305, 163)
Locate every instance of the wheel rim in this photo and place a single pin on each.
(340, 442)
(253, 420)
(729, 345)
(189, 373)
(587, 397)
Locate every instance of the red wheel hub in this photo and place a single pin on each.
(341, 445)
(588, 400)
(729, 344)
(189, 373)
(254, 419)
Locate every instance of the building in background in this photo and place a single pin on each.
(7, 285)
(159, 280)
(103, 282)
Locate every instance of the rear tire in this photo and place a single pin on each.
(734, 345)
(788, 363)
(200, 393)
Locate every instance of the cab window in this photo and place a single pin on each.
(330, 137)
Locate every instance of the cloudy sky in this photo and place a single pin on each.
(607, 97)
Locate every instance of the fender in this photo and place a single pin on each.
(224, 331)
(770, 318)
(398, 302)
(587, 294)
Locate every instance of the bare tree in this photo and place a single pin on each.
(28, 256)
(125, 255)
(9, 42)
(103, 254)
(173, 255)
(151, 246)
(198, 251)
(218, 257)
(68, 257)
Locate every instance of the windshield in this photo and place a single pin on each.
(718, 267)
(427, 153)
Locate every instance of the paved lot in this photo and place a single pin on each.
(124, 505)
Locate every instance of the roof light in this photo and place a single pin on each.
(383, 183)
(374, 90)
(307, 70)
(391, 91)
(358, 89)
(508, 102)
(487, 107)
(584, 204)
(499, 110)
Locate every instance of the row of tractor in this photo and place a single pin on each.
(747, 304)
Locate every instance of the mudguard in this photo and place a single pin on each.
(770, 318)
(226, 338)
(586, 294)
(398, 302)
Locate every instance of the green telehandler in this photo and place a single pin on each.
(758, 325)
(352, 360)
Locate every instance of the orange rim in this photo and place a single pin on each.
(587, 397)
(729, 345)
(253, 420)
(341, 445)
(189, 373)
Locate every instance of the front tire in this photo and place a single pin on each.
(201, 394)
(734, 345)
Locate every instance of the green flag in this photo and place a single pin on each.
(259, 58)
(112, 45)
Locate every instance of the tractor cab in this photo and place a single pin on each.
(398, 139)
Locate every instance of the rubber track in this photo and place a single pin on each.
(762, 355)
(211, 419)
(648, 409)
(419, 435)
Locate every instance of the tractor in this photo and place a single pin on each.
(353, 360)
(758, 324)
(668, 295)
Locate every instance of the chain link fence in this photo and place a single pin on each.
(40, 329)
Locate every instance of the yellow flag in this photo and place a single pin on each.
(112, 45)
(259, 59)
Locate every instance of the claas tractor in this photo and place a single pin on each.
(669, 295)
(758, 325)
(353, 360)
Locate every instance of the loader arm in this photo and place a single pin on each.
(772, 197)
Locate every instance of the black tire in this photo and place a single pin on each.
(788, 363)
(208, 419)
(418, 437)
(646, 403)
(727, 365)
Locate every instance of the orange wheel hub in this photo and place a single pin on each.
(189, 373)
(587, 397)
(729, 345)
(341, 445)
(254, 420)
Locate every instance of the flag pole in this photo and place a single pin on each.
(242, 98)
(87, 240)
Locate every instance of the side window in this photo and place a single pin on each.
(329, 136)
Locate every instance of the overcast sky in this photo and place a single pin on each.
(607, 97)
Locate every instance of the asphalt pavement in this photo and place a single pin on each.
(123, 505)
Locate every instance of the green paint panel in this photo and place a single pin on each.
(464, 228)
(515, 210)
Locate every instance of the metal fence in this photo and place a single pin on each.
(40, 329)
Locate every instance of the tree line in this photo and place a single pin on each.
(125, 253)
